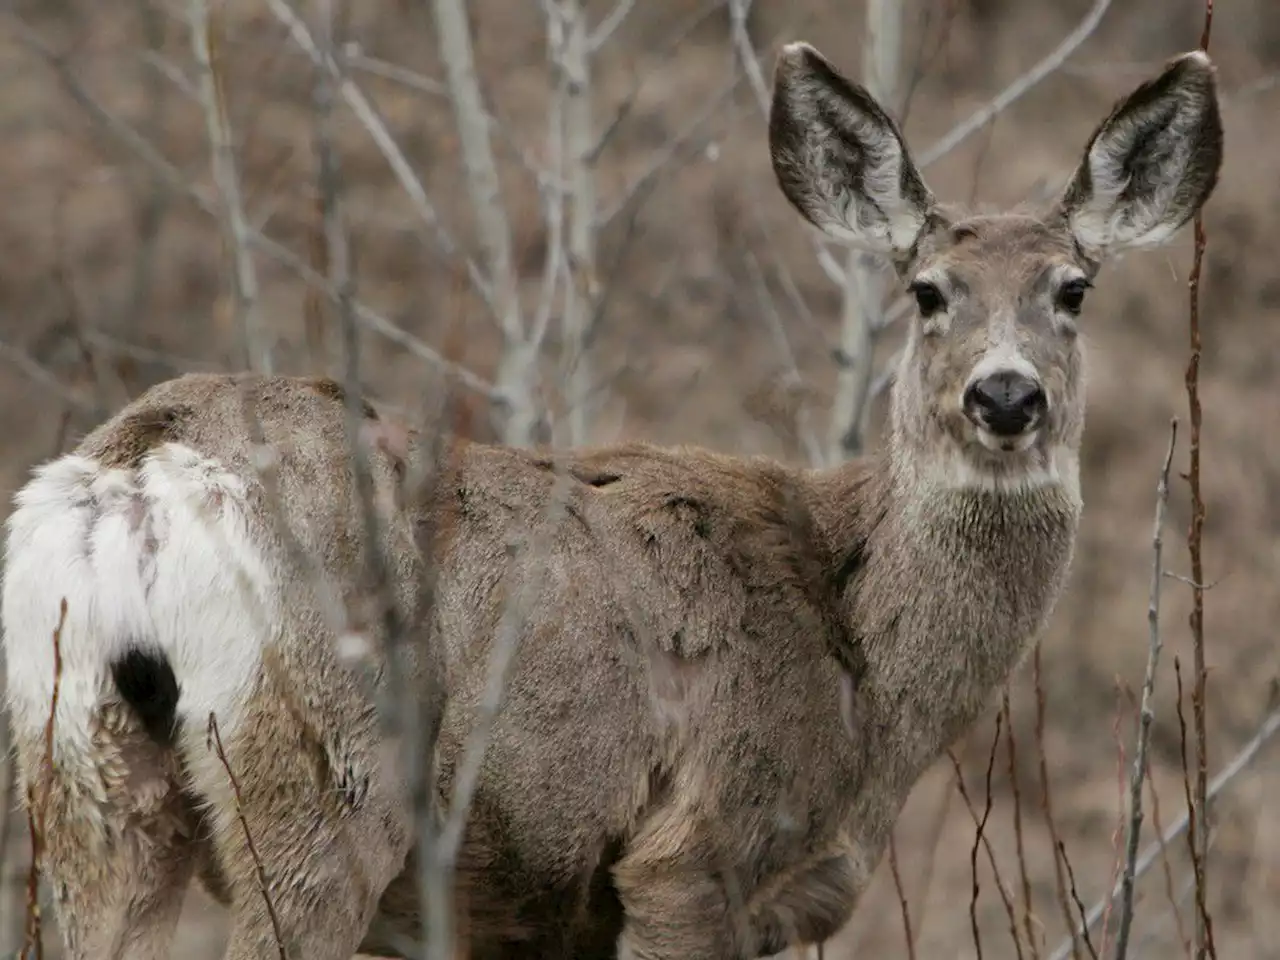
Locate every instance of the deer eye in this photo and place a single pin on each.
(929, 299)
(1071, 295)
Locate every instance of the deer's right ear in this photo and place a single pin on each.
(1151, 164)
(840, 159)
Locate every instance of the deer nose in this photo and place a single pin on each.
(1006, 403)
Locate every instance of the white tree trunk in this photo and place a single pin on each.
(581, 295)
(864, 285)
(518, 367)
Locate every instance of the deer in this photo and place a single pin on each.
(732, 670)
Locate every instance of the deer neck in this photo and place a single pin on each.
(945, 587)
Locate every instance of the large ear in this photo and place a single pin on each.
(1151, 164)
(840, 158)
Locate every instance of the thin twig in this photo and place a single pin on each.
(443, 852)
(902, 898)
(1147, 712)
(386, 144)
(583, 289)
(480, 170)
(1023, 875)
(37, 813)
(235, 226)
(41, 375)
(173, 179)
(803, 428)
(1117, 846)
(1075, 896)
(1018, 88)
(213, 741)
(981, 839)
(1046, 802)
(676, 147)
(1185, 823)
(1158, 822)
(605, 29)
(986, 815)
(1195, 538)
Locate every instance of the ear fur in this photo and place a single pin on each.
(1151, 164)
(841, 160)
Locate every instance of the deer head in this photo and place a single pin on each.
(990, 388)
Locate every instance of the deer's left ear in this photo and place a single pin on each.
(1151, 164)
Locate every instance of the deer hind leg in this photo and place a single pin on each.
(118, 833)
(117, 824)
(675, 902)
(317, 832)
(678, 905)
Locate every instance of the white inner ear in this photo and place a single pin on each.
(879, 217)
(1108, 218)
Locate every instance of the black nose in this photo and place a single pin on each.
(1005, 403)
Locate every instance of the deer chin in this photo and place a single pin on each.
(1006, 447)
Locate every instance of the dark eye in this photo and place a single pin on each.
(928, 298)
(1071, 295)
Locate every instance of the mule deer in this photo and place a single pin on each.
(733, 673)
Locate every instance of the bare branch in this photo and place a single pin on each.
(657, 56)
(1023, 876)
(1195, 539)
(444, 852)
(245, 285)
(372, 122)
(902, 899)
(41, 375)
(601, 34)
(1269, 727)
(864, 286)
(480, 171)
(1016, 90)
(1146, 714)
(553, 197)
(678, 146)
(214, 743)
(518, 366)
(583, 288)
(1071, 944)
(172, 178)
(1075, 896)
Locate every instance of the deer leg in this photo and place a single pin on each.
(678, 908)
(677, 916)
(118, 831)
(308, 829)
(807, 904)
(675, 907)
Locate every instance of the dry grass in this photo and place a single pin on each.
(109, 285)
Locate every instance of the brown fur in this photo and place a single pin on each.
(732, 671)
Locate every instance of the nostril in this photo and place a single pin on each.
(1006, 402)
(975, 398)
(1034, 401)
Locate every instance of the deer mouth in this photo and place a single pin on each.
(1005, 445)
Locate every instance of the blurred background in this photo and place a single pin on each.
(637, 274)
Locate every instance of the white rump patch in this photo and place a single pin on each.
(162, 558)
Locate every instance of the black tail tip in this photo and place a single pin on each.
(146, 681)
